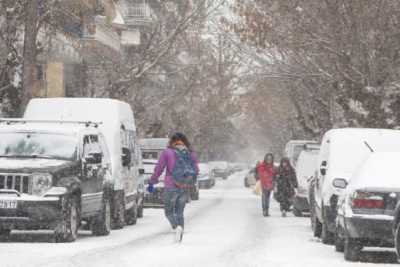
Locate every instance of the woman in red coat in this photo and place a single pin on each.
(265, 173)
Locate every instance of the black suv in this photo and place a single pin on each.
(54, 175)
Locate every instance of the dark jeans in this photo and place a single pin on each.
(174, 206)
(265, 199)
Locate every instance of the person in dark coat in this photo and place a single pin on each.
(285, 185)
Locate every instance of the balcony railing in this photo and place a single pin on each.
(137, 14)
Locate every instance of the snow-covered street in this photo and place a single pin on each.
(224, 228)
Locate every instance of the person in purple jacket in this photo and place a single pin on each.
(175, 197)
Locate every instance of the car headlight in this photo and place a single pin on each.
(41, 183)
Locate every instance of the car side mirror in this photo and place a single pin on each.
(141, 171)
(94, 158)
(323, 171)
(126, 157)
(340, 183)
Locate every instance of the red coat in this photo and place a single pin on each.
(266, 174)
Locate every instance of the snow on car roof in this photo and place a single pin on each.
(379, 170)
(348, 147)
(154, 143)
(54, 127)
(150, 161)
(108, 111)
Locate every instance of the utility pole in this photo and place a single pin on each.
(30, 51)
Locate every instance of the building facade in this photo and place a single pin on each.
(82, 54)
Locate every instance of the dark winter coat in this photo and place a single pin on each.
(285, 184)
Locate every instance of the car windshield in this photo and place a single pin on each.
(38, 145)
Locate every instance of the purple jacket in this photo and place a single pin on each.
(167, 161)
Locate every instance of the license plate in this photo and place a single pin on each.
(8, 204)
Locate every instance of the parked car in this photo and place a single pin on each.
(238, 166)
(195, 192)
(116, 122)
(153, 147)
(367, 208)
(205, 179)
(250, 178)
(305, 171)
(294, 147)
(220, 169)
(342, 151)
(52, 176)
(155, 199)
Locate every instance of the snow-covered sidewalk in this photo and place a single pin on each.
(224, 228)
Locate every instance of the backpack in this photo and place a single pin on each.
(184, 172)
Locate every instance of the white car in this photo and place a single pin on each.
(305, 171)
(220, 169)
(294, 147)
(366, 209)
(117, 123)
(155, 199)
(250, 178)
(342, 152)
(205, 179)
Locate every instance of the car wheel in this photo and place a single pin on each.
(67, 229)
(312, 215)
(119, 211)
(196, 195)
(102, 224)
(140, 211)
(297, 213)
(397, 240)
(132, 215)
(339, 242)
(5, 234)
(246, 183)
(352, 249)
(327, 237)
(317, 227)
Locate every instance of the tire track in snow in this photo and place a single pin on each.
(91, 256)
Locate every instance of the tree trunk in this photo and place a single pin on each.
(30, 52)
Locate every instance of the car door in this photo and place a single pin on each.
(320, 177)
(93, 174)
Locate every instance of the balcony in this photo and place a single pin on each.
(137, 14)
(99, 31)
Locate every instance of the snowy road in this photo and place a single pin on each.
(224, 228)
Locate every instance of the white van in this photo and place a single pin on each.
(305, 172)
(294, 147)
(153, 147)
(116, 122)
(342, 151)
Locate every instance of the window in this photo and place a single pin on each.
(40, 74)
(128, 142)
(91, 145)
(150, 155)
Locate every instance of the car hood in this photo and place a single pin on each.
(33, 165)
(202, 178)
